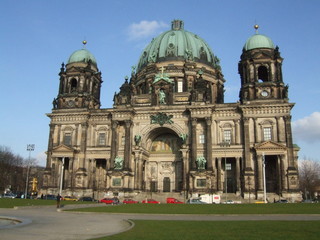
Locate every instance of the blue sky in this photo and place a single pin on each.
(37, 36)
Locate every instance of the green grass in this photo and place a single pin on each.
(12, 202)
(231, 230)
(292, 208)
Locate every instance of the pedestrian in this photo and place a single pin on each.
(58, 200)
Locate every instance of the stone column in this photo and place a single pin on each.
(114, 143)
(237, 132)
(185, 168)
(278, 129)
(255, 130)
(238, 173)
(259, 175)
(279, 175)
(219, 180)
(247, 155)
(83, 143)
(284, 173)
(289, 140)
(194, 143)
(127, 146)
(209, 144)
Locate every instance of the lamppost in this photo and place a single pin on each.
(61, 176)
(264, 178)
(225, 144)
(30, 147)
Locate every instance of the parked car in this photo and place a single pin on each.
(50, 197)
(282, 201)
(86, 199)
(129, 201)
(174, 200)
(9, 195)
(112, 201)
(195, 201)
(307, 201)
(69, 198)
(228, 202)
(149, 200)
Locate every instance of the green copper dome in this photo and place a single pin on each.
(177, 44)
(82, 55)
(258, 41)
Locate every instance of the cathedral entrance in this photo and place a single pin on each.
(271, 174)
(166, 184)
(231, 175)
(164, 164)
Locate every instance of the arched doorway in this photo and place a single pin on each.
(164, 163)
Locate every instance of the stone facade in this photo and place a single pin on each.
(170, 130)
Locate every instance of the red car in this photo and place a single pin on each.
(150, 201)
(129, 201)
(110, 201)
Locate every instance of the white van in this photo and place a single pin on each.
(209, 198)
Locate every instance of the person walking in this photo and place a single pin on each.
(58, 200)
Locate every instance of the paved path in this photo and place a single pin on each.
(50, 224)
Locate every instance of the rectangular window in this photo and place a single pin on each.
(227, 136)
(67, 139)
(267, 133)
(116, 182)
(201, 183)
(180, 86)
(102, 139)
(201, 139)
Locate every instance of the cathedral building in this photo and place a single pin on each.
(169, 130)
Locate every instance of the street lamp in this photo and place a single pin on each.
(30, 147)
(61, 176)
(264, 178)
(225, 144)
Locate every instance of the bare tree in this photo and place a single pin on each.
(309, 173)
(11, 170)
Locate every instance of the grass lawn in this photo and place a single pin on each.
(231, 230)
(272, 208)
(12, 202)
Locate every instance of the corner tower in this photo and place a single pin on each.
(80, 82)
(260, 70)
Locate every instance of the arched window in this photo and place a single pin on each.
(263, 74)
(74, 84)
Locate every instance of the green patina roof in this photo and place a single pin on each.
(258, 41)
(82, 55)
(177, 44)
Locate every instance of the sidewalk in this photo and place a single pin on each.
(48, 223)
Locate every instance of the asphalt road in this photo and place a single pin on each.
(50, 224)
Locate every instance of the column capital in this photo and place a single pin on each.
(208, 120)
(194, 121)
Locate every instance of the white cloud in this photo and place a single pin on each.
(145, 29)
(307, 129)
(41, 159)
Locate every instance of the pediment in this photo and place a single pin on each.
(270, 146)
(162, 82)
(62, 151)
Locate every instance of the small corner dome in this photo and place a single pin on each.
(82, 55)
(258, 41)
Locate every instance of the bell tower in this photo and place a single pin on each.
(80, 82)
(260, 70)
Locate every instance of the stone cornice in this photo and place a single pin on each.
(280, 109)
